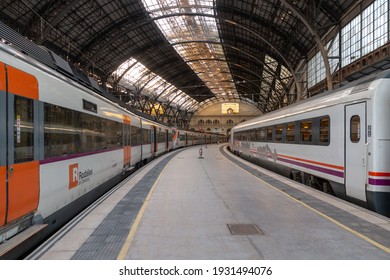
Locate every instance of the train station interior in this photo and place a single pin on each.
(195, 130)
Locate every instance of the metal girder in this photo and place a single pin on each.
(263, 23)
(248, 29)
(254, 59)
(317, 38)
(81, 24)
(62, 11)
(268, 69)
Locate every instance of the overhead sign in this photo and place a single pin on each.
(230, 108)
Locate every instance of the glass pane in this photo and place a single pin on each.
(324, 130)
(278, 132)
(198, 33)
(23, 130)
(136, 135)
(355, 129)
(69, 132)
(269, 134)
(146, 136)
(62, 132)
(306, 131)
(290, 137)
(262, 134)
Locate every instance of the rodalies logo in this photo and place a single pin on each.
(77, 178)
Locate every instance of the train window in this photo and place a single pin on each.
(269, 134)
(257, 135)
(96, 133)
(306, 131)
(355, 129)
(61, 131)
(160, 136)
(290, 135)
(126, 135)
(324, 130)
(262, 134)
(253, 135)
(146, 136)
(69, 132)
(23, 130)
(135, 136)
(279, 133)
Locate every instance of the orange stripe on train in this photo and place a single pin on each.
(22, 83)
(379, 174)
(23, 189)
(2, 77)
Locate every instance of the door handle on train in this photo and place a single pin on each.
(11, 170)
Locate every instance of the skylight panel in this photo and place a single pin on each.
(135, 73)
(195, 37)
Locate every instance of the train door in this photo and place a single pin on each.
(19, 164)
(355, 151)
(3, 143)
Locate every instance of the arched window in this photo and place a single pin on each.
(201, 122)
(216, 122)
(229, 122)
(209, 122)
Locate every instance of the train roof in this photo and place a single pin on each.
(62, 67)
(326, 99)
(51, 60)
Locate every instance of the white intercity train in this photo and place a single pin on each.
(337, 141)
(63, 144)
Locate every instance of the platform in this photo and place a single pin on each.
(182, 207)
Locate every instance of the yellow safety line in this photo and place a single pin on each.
(358, 234)
(125, 248)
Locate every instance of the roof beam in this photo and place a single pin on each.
(266, 67)
(317, 38)
(231, 22)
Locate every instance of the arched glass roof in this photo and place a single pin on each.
(196, 39)
(201, 49)
(135, 74)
